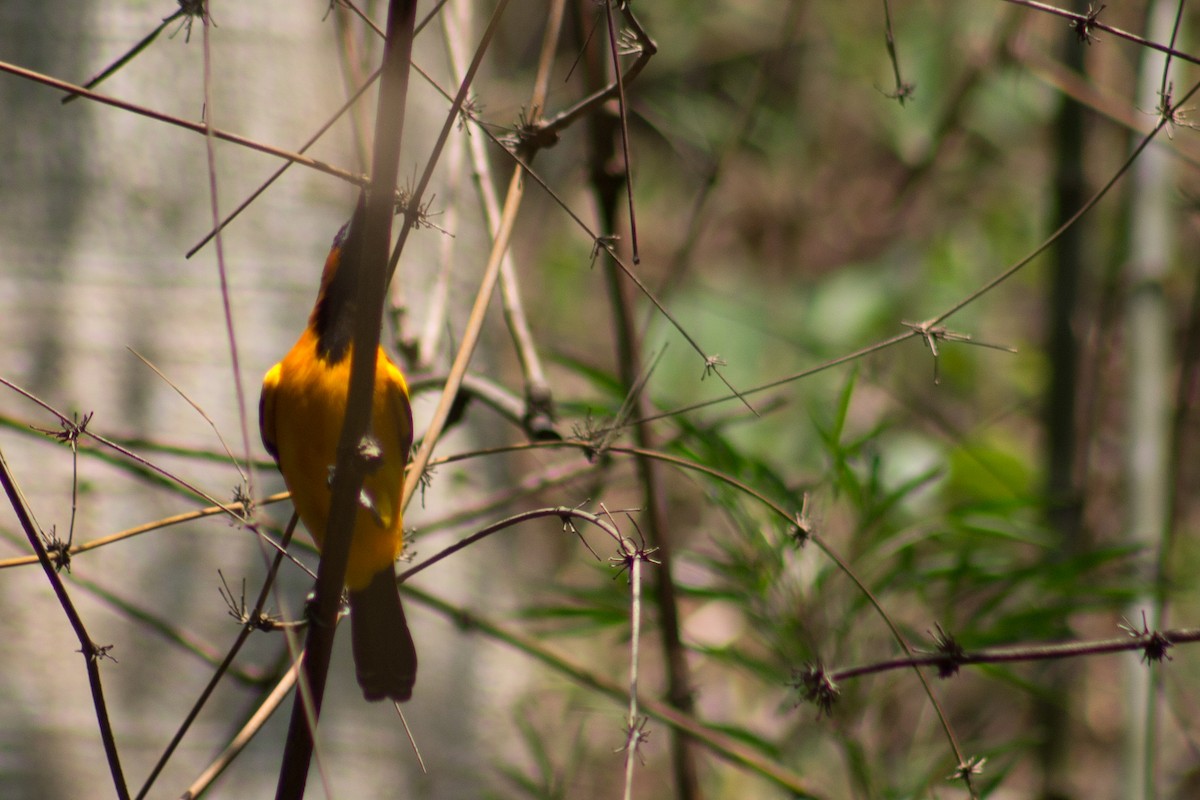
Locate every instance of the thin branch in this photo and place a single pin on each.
(92, 652)
(158, 524)
(84, 431)
(350, 469)
(1086, 23)
(635, 733)
(128, 56)
(549, 128)
(904, 90)
(196, 406)
(602, 242)
(795, 376)
(412, 210)
(750, 102)
(165, 627)
(948, 659)
(547, 132)
(805, 531)
(565, 513)
(247, 733)
(195, 127)
(316, 136)
(252, 621)
(1052, 238)
(539, 400)
(1069, 82)
(623, 111)
(1166, 73)
(278, 173)
(239, 389)
(721, 744)
(607, 175)
(470, 337)
(927, 327)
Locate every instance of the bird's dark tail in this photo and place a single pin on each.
(384, 655)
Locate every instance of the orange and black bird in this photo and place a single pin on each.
(301, 412)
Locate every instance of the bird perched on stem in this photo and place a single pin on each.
(301, 412)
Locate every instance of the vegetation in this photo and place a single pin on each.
(837, 437)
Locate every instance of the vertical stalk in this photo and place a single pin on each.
(1062, 498)
(349, 472)
(1147, 323)
(608, 177)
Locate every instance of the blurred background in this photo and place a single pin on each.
(799, 197)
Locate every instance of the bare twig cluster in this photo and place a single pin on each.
(645, 444)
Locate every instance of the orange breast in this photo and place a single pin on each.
(303, 408)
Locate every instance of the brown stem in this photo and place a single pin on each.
(348, 475)
(609, 176)
(92, 653)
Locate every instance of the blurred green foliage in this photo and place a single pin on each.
(834, 215)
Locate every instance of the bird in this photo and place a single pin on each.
(301, 412)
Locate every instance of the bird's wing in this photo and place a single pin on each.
(400, 407)
(266, 410)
